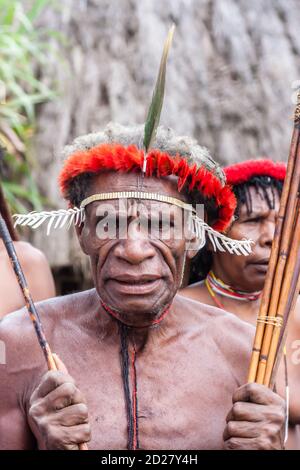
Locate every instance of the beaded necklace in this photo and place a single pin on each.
(217, 286)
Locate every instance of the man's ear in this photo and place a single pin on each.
(80, 232)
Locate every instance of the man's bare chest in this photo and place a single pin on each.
(182, 398)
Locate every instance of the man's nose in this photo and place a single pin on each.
(135, 249)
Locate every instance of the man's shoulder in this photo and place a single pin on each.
(212, 315)
(21, 359)
(233, 336)
(17, 327)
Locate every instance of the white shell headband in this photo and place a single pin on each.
(67, 217)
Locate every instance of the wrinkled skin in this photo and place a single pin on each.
(254, 419)
(118, 265)
(248, 274)
(195, 361)
(59, 400)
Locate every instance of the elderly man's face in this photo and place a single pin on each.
(138, 275)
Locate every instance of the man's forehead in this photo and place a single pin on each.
(134, 208)
(117, 181)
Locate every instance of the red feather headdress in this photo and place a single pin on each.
(115, 157)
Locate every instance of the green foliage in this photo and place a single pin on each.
(24, 49)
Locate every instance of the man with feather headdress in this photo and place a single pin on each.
(137, 350)
(143, 367)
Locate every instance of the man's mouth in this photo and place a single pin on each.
(135, 285)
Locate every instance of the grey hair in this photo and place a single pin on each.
(166, 141)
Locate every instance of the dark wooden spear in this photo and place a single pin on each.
(33, 313)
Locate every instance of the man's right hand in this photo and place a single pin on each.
(58, 414)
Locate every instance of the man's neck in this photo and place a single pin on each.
(139, 336)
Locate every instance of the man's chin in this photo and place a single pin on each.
(136, 309)
(135, 306)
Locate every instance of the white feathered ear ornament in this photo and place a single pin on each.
(54, 219)
(218, 240)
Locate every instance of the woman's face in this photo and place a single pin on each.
(248, 272)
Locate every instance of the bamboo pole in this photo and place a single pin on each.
(289, 309)
(264, 305)
(30, 306)
(285, 223)
(285, 244)
(291, 267)
(294, 287)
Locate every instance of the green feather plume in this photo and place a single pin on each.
(154, 112)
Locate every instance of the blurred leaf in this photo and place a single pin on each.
(15, 203)
(8, 9)
(36, 9)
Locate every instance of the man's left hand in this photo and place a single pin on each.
(256, 419)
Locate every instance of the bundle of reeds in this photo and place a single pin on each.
(282, 281)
